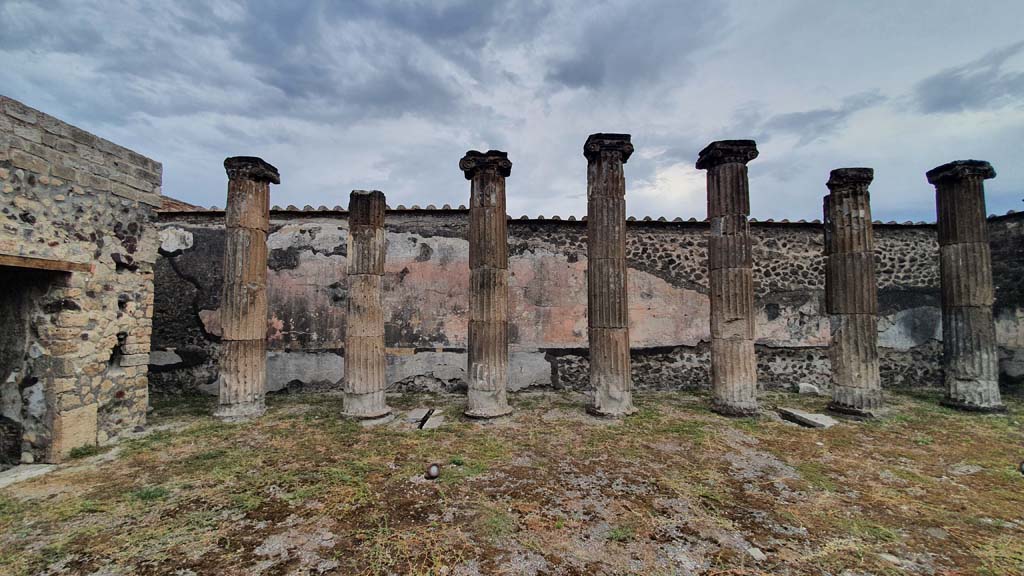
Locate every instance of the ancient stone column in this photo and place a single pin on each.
(243, 308)
(365, 379)
(851, 295)
(488, 283)
(733, 363)
(970, 356)
(607, 298)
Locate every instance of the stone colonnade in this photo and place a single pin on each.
(733, 362)
(607, 290)
(970, 355)
(487, 371)
(365, 377)
(243, 309)
(851, 293)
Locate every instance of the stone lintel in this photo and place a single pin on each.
(251, 168)
(603, 142)
(842, 178)
(725, 152)
(960, 169)
(475, 161)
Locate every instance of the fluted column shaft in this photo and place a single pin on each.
(970, 354)
(733, 361)
(487, 371)
(851, 293)
(243, 368)
(365, 376)
(611, 383)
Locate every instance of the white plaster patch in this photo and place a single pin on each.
(175, 239)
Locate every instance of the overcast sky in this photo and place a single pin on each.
(376, 95)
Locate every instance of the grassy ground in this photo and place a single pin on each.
(673, 489)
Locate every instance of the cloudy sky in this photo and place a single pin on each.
(378, 95)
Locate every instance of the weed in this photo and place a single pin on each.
(621, 534)
(150, 494)
(85, 451)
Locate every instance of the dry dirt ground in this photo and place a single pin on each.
(673, 489)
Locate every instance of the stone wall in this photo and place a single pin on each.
(426, 299)
(77, 248)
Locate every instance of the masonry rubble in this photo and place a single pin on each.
(851, 293)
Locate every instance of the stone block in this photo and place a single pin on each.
(73, 429)
(135, 360)
(808, 419)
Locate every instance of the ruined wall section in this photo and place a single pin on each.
(426, 297)
(69, 197)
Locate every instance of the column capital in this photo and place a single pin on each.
(725, 152)
(960, 169)
(600, 142)
(366, 207)
(251, 168)
(847, 177)
(475, 161)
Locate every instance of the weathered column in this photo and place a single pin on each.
(365, 379)
(970, 356)
(733, 363)
(607, 298)
(851, 295)
(488, 283)
(243, 307)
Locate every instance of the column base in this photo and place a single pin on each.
(605, 413)
(485, 404)
(967, 407)
(734, 411)
(365, 406)
(239, 412)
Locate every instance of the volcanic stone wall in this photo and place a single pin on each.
(426, 299)
(77, 247)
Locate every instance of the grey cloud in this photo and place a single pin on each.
(812, 125)
(623, 47)
(978, 85)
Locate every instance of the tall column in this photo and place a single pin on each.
(970, 356)
(243, 307)
(365, 379)
(607, 298)
(488, 283)
(851, 294)
(733, 363)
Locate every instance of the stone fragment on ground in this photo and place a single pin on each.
(805, 388)
(808, 419)
(24, 472)
(964, 469)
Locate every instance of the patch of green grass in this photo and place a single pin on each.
(150, 494)
(457, 460)
(923, 440)
(621, 534)
(496, 524)
(85, 451)
(246, 502)
(175, 406)
(871, 531)
(1002, 555)
(815, 474)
